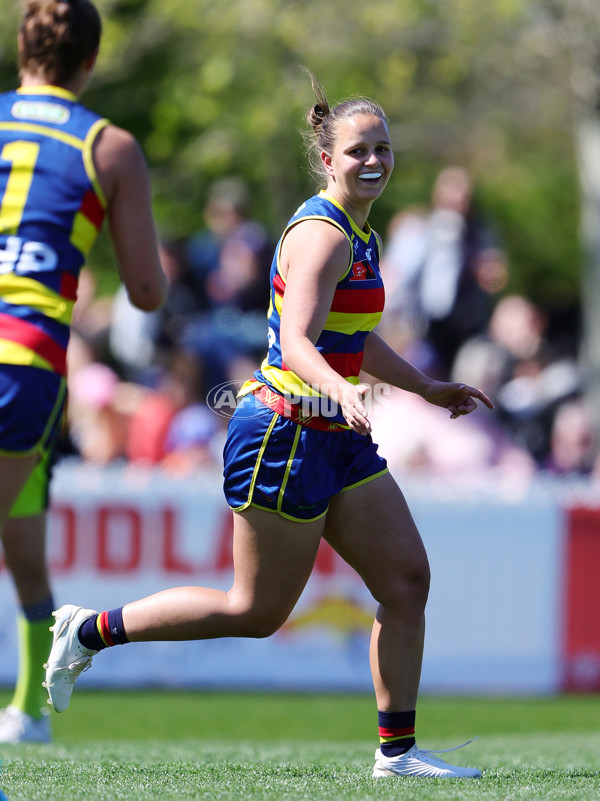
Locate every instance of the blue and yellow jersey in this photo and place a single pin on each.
(51, 209)
(356, 309)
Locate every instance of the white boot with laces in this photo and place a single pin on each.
(420, 763)
(68, 657)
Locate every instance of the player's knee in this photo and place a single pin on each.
(406, 591)
(263, 628)
(259, 626)
(258, 623)
(419, 584)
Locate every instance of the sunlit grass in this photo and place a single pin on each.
(164, 745)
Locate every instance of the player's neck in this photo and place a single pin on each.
(31, 80)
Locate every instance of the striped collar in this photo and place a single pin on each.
(364, 235)
(54, 91)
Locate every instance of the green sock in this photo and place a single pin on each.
(35, 641)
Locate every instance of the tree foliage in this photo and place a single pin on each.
(213, 89)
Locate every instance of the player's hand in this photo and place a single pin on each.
(353, 408)
(459, 399)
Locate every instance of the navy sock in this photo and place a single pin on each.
(103, 630)
(396, 732)
(89, 636)
(39, 611)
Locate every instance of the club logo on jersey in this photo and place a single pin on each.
(362, 271)
(40, 111)
(21, 256)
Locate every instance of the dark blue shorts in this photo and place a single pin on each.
(31, 406)
(276, 464)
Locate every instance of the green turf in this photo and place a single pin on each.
(221, 746)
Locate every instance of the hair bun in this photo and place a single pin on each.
(316, 116)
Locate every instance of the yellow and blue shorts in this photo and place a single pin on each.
(31, 411)
(274, 463)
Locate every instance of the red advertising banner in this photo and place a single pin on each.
(582, 600)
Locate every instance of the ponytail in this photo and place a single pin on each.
(58, 36)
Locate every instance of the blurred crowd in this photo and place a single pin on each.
(449, 312)
(138, 383)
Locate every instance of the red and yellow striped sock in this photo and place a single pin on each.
(103, 630)
(396, 732)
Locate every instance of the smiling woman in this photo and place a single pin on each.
(360, 164)
(300, 463)
(352, 142)
(373, 159)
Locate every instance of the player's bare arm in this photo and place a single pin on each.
(383, 363)
(124, 179)
(315, 255)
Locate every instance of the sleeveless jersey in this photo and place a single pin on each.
(51, 209)
(356, 309)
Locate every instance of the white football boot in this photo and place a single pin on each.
(17, 726)
(68, 657)
(420, 763)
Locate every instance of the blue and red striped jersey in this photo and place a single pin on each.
(356, 309)
(51, 209)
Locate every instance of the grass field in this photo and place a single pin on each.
(224, 746)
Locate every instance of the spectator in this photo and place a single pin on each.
(98, 426)
(232, 254)
(190, 440)
(132, 335)
(573, 441)
(91, 319)
(450, 267)
(139, 340)
(180, 385)
(522, 371)
(232, 258)
(419, 444)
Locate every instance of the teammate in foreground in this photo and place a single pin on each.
(24, 540)
(62, 170)
(297, 472)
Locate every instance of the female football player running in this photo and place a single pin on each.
(300, 463)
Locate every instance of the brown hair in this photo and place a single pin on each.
(58, 36)
(324, 121)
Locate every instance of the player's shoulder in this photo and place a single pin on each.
(318, 205)
(118, 139)
(117, 148)
(118, 160)
(317, 231)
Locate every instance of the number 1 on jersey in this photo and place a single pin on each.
(23, 156)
